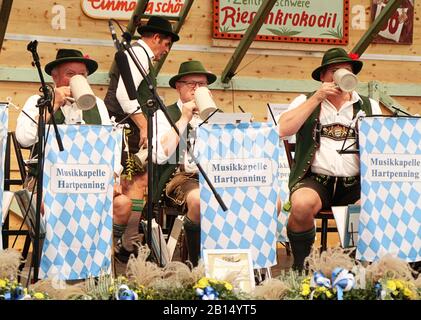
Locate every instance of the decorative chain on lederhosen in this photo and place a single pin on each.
(133, 165)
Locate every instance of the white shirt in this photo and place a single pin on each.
(130, 106)
(327, 160)
(26, 129)
(161, 122)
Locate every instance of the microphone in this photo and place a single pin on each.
(125, 73)
(127, 36)
(32, 46)
(114, 35)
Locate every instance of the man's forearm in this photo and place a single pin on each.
(140, 121)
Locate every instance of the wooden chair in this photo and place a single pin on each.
(323, 215)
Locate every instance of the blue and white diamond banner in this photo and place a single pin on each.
(283, 192)
(273, 113)
(390, 220)
(78, 195)
(4, 124)
(242, 163)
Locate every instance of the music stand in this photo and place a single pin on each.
(230, 118)
(350, 127)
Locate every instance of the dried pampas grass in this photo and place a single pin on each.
(234, 278)
(178, 272)
(10, 259)
(271, 289)
(143, 272)
(417, 282)
(149, 274)
(389, 267)
(59, 290)
(330, 259)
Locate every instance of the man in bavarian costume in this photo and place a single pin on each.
(321, 176)
(156, 38)
(178, 176)
(68, 63)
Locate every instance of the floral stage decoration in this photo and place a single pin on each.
(10, 288)
(335, 275)
(332, 275)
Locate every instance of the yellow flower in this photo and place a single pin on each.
(321, 289)
(39, 296)
(328, 294)
(305, 289)
(399, 284)
(228, 286)
(202, 283)
(390, 284)
(408, 293)
(3, 283)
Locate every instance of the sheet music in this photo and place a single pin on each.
(159, 246)
(229, 118)
(340, 213)
(7, 200)
(347, 220)
(352, 222)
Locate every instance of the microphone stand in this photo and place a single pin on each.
(346, 150)
(152, 106)
(43, 102)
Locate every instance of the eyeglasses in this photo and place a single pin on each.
(193, 84)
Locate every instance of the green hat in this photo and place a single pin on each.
(159, 25)
(71, 55)
(337, 55)
(192, 67)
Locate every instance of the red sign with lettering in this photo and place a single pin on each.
(399, 28)
(123, 9)
(310, 21)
